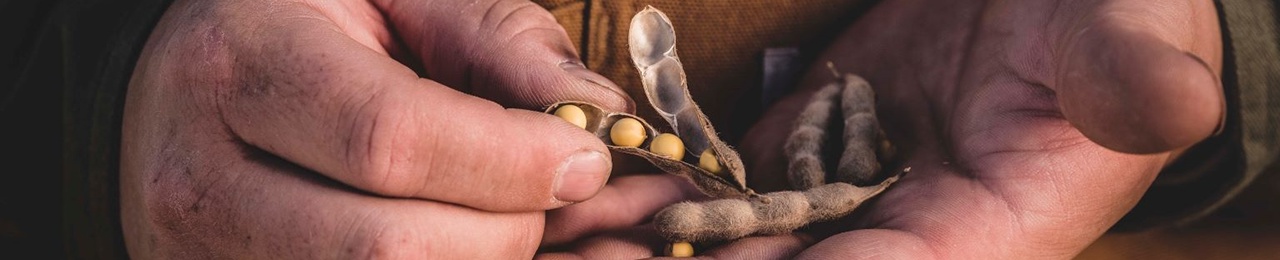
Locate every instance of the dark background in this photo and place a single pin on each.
(30, 136)
(32, 148)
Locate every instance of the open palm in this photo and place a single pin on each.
(1030, 127)
(1011, 115)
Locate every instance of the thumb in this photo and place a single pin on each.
(510, 51)
(362, 119)
(1130, 91)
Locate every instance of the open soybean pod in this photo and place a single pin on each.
(601, 123)
(652, 42)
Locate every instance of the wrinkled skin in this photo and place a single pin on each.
(293, 129)
(1030, 126)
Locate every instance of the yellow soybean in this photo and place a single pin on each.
(707, 161)
(668, 145)
(573, 114)
(680, 249)
(627, 132)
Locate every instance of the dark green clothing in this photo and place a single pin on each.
(1254, 30)
(1214, 172)
(72, 60)
(75, 61)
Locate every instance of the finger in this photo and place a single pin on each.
(270, 209)
(870, 244)
(626, 202)
(557, 256)
(309, 94)
(642, 242)
(1128, 87)
(630, 243)
(510, 51)
(785, 246)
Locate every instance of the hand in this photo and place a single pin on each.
(285, 129)
(1010, 114)
(1030, 126)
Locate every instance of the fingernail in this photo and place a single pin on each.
(1222, 93)
(577, 69)
(581, 176)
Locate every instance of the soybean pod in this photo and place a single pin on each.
(684, 143)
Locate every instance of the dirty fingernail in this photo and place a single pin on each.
(581, 176)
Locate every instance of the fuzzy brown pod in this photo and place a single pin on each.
(600, 123)
(768, 214)
(818, 196)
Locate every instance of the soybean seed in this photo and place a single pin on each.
(707, 161)
(680, 249)
(668, 145)
(573, 114)
(627, 132)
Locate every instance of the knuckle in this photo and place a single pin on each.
(377, 146)
(510, 21)
(178, 199)
(618, 102)
(517, 16)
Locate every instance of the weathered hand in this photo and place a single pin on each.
(1010, 114)
(287, 129)
(1030, 126)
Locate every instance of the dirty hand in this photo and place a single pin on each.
(1030, 127)
(293, 129)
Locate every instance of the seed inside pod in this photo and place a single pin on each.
(668, 145)
(573, 114)
(680, 249)
(627, 132)
(707, 161)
